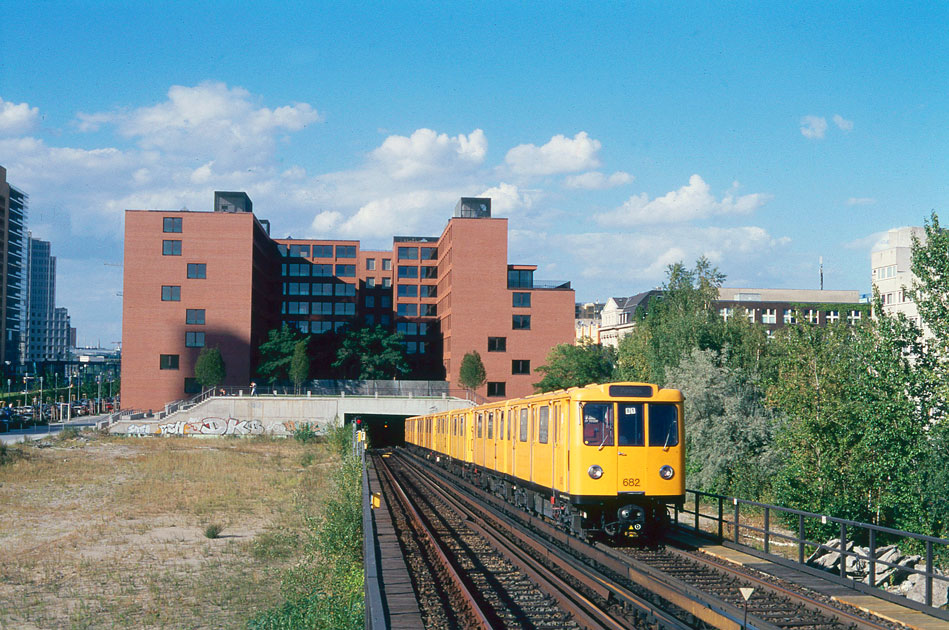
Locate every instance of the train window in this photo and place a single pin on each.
(629, 425)
(480, 425)
(500, 425)
(490, 425)
(523, 425)
(598, 424)
(543, 424)
(663, 425)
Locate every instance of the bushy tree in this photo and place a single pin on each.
(729, 430)
(299, 364)
(277, 352)
(571, 365)
(472, 374)
(371, 353)
(209, 369)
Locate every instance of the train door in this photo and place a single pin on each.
(557, 461)
(630, 456)
(479, 438)
(489, 442)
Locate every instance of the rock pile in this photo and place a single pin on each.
(893, 570)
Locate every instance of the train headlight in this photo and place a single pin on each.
(595, 471)
(667, 473)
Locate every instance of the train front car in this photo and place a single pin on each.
(629, 455)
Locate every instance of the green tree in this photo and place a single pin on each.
(571, 365)
(472, 373)
(729, 430)
(674, 322)
(277, 352)
(372, 353)
(299, 364)
(209, 369)
(930, 292)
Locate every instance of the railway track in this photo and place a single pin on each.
(632, 587)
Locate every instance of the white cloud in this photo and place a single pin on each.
(813, 127)
(595, 180)
(326, 222)
(399, 214)
(692, 201)
(17, 119)
(426, 152)
(209, 121)
(508, 198)
(843, 123)
(861, 201)
(560, 155)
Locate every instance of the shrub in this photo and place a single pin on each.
(213, 530)
(304, 433)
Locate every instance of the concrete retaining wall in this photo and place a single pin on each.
(264, 415)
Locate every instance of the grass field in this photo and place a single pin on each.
(113, 532)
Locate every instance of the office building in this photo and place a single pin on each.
(13, 206)
(204, 279)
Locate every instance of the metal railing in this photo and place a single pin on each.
(766, 530)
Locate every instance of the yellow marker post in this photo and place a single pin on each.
(376, 500)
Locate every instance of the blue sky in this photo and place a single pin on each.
(616, 137)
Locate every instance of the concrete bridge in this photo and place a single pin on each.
(282, 415)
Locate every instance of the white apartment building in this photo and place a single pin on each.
(891, 261)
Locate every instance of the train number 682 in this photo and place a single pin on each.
(630, 482)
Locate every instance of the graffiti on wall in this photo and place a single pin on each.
(219, 426)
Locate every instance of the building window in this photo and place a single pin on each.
(171, 224)
(769, 316)
(322, 271)
(429, 310)
(408, 253)
(407, 310)
(751, 315)
(429, 291)
(386, 264)
(197, 270)
(170, 294)
(370, 283)
(371, 264)
(386, 283)
(194, 316)
(384, 320)
(496, 388)
(299, 251)
(789, 316)
(385, 301)
(854, 317)
(321, 288)
(346, 271)
(520, 279)
(429, 253)
(407, 290)
(811, 315)
(171, 248)
(407, 328)
(430, 273)
(168, 361)
(497, 344)
(299, 270)
(522, 300)
(725, 312)
(370, 301)
(406, 271)
(520, 366)
(322, 251)
(345, 289)
(344, 308)
(832, 316)
(192, 386)
(194, 339)
(411, 347)
(345, 251)
(521, 322)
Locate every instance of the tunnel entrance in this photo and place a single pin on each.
(381, 430)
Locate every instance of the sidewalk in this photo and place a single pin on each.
(43, 431)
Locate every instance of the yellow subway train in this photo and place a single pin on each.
(601, 460)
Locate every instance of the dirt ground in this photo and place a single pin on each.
(100, 531)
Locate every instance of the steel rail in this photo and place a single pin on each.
(418, 523)
(844, 617)
(585, 612)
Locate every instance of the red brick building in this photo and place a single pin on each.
(206, 279)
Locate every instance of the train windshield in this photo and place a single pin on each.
(630, 424)
(598, 424)
(663, 425)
